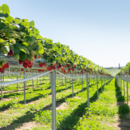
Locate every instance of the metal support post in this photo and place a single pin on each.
(53, 91)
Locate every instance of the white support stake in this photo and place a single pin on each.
(24, 90)
(82, 84)
(17, 83)
(97, 84)
(87, 84)
(72, 87)
(1, 89)
(53, 90)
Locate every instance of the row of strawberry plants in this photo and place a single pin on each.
(20, 39)
(125, 70)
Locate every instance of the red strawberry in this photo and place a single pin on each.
(22, 69)
(53, 67)
(65, 66)
(74, 65)
(48, 68)
(25, 65)
(30, 63)
(35, 57)
(2, 70)
(62, 68)
(54, 64)
(6, 65)
(44, 64)
(40, 64)
(30, 66)
(21, 62)
(26, 61)
(58, 67)
(10, 53)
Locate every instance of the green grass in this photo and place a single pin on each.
(75, 115)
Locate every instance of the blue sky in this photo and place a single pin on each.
(97, 29)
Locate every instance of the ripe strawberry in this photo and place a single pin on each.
(35, 57)
(62, 68)
(2, 70)
(48, 68)
(22, 69)
(26, 61)
(30, 63)
(21, 62)
(25, 65)
(30, 66)
(74, 65)
(54, 64)
(6, 65)
(44, 64)
(10, 53)
(53, 67)
(65, 66)
(58, 67)
(40, 64)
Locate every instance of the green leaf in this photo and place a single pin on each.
(4, 15)
(32, 24)
(25, 43)
(30, 40)
(17, 51)
(9, 19)
(2, 26)
(23, 56)
(36, 31)
(24, 20)
(38, 36)
(17, 21)
(0, 8)
(17, 45)
(12, 41)
(5, 9)
(41, 50)
(27, 24)
(24, 49)
(16, 56)
(1, 41)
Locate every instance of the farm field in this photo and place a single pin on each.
(109, 112)
(46, 85)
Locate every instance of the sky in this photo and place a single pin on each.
(96, 29)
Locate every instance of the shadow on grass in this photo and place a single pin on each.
(123, 108)
(70, 121)
(40, 95)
